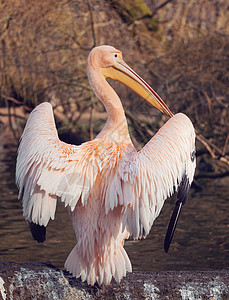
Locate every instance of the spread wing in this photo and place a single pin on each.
(47, 168)
(146, 178)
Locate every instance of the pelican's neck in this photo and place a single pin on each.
(116, 123)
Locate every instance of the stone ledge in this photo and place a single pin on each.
(44, 281)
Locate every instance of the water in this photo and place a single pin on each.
(200, 241)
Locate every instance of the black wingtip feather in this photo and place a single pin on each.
(182, 196)
(183, 190)
(172, 226)
(38, 232)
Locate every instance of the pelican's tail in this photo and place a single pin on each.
(100, 268)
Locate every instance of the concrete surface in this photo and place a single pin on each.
(44, 281)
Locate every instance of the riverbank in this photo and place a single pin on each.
(44, 281)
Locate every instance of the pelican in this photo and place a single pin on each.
(112, 191)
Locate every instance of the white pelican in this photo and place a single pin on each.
(112, 191)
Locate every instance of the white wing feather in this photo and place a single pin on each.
(47, 168)
(146, 178)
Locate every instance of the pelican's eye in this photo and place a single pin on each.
(117, 57)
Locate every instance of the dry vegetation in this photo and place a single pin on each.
(180, 47)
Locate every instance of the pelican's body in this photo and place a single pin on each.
(112, 191)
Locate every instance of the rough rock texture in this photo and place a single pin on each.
(44, 281)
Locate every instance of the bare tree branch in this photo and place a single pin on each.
(92, 23)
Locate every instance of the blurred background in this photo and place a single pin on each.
(181, 48)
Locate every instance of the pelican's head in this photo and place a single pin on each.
(109, 61)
